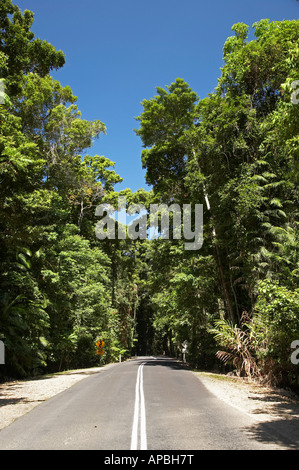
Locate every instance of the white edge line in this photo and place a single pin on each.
(134, 437)
(139, 406)
(143, 438)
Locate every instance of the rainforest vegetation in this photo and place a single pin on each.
(236, 299)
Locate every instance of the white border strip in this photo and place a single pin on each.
(139, 413)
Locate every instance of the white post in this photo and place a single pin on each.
(119, 358)
(184, 349)
(2, 353)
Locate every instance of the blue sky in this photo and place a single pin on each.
(118, 52)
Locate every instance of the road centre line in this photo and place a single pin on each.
(139, 413)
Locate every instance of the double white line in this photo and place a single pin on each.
(139, 420)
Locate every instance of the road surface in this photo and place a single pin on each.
(147, 403)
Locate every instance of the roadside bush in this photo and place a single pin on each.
(261, 346)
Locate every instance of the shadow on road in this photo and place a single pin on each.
(281, 432)
(164, 361)
(284, 427)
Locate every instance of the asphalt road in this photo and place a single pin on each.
(143, 404)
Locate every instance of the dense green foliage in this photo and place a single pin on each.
(55, 280)
(235, 151)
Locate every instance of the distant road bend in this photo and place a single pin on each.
(147, 403)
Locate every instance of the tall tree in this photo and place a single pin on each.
(54, 286)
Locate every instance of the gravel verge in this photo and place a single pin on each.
(261, 402)
(273, 410)
(18, 397)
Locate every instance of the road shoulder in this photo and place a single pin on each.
(262, 402)
(18, 397)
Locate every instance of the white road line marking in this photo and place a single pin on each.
(134, 437)
(143, 438)
(139, 413)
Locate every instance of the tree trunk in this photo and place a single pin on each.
(226, 295)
